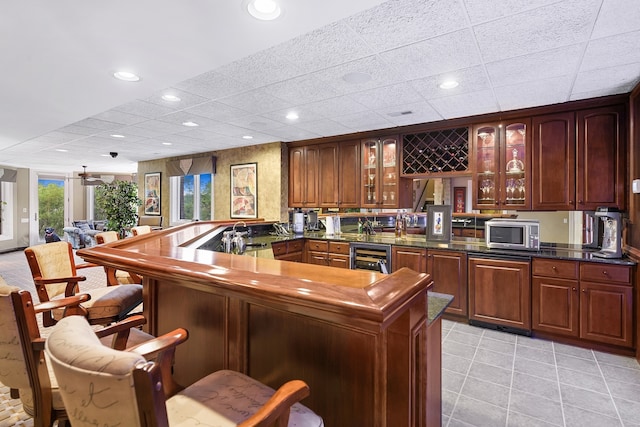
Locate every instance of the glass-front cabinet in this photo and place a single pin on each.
(380, 177)
(502, 165)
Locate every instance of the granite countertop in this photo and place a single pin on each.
(437, 303)
(471, 246)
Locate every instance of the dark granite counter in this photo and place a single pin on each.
(437, 303)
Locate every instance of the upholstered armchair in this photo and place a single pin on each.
(82, 233)
(23, 367)
(139, 393)
(54, 273)
(140, 229)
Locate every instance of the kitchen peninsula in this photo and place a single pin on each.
(367, 344)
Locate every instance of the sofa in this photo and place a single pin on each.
(82, 233)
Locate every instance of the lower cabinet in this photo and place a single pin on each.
(331, 253)
(288, 250)
(448, 270)
(500, 292)
(589, 301)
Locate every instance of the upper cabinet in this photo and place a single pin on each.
(382, 186)
(303, 176)
(325, 175)
(501, 156)
(577, 158)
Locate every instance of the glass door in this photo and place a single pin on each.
(389, 173)
(370, 173)
(487, 151)
(515, 156)
(50, 203)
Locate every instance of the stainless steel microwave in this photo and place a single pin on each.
(507, 233)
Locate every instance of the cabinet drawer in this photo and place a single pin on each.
(318, 245)
(597, 272)
(555, 268)
(296, 245)
(339, 248)
(279, 248)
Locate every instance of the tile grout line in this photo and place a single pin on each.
(555, 364)
(513, 370)
(606, 384)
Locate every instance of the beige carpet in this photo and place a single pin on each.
(15, 271)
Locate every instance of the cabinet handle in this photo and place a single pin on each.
(574, 289)
(570, 202)
(580, 202)
(554, 268)
(605, 272)
(584, 290)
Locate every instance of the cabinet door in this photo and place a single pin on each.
(328, 175)
(500, 292)
(449, 273)
(311, 176)
(349, 174)
(553, 154)
(318, 258)
(370, 173)
(303, 176)
(601, 168)
(413, 258)
(339, 261)
(606, 313)
(555, 305)
(486, 158)
(515, 161)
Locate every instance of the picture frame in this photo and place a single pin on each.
(152, 193)
(244, 190)
(459, 199)
(439, 222)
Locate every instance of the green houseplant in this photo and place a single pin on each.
(119, 201)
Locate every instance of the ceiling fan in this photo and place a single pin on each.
(94, 179)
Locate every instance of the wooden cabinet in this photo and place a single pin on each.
(382, 186)
(606, 303)
(303, 176)
(500, 292)
(590, 301)
(448, 270)
(413, 258)
(328, 173)
(349, 174)
(502, 165)
(325, 252)
(580, 170)
(288, 250)
(601, 167)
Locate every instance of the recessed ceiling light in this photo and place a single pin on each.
(293, 116)
(265, 10)
(167, 143)
(126, 76)
(356, 77)
(116, 135)
(449, 84)
(190, 124)
(171, 98)
(62, 150)
(247, 137)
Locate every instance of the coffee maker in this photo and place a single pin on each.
(611, 231)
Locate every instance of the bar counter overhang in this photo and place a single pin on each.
(360, 339)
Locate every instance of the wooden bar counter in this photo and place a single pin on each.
(358, 338)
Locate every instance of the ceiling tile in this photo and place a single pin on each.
(93, 123)
(291, 133)
(560, 24)
(174, 122)
(324, 127)
(485, 10)
(536, 66)
(260, 123)
(388, 96)
(614, 79)
(144, 109)
(434, 56)
(256, 102)
(363, 121)
(301, 90)
(548, 91)
(335, 107)
(421, 112)
(119, 117)
(616, 17)
(466, 104)
(187, 99)
(261, 69)
(402, 22)
(212, 85)
(621, 49)
(470, 80)
(217, 111)
(381, 75)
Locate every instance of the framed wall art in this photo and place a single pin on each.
(152, 193)
(439, 222)
(459, 199)
(244, 190)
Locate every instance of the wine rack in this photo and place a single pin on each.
(438, 151)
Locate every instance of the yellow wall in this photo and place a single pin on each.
(272, 179)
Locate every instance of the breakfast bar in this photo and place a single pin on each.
(367, 344)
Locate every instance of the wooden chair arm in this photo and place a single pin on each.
(275, 412)
(72, 279)
(86, 265)
(121, 331)
(72, 301)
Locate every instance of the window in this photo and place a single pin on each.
(191, 197)
(6, 210)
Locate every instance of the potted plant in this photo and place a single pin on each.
(119, 201)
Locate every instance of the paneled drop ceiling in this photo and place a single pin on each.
(342, 66)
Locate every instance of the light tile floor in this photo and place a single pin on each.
(493, 378)
(489, 378)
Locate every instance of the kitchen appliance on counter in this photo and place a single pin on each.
(591, 235)
(312, 221)
(611, 246)
(298, 222)
(523, 234)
